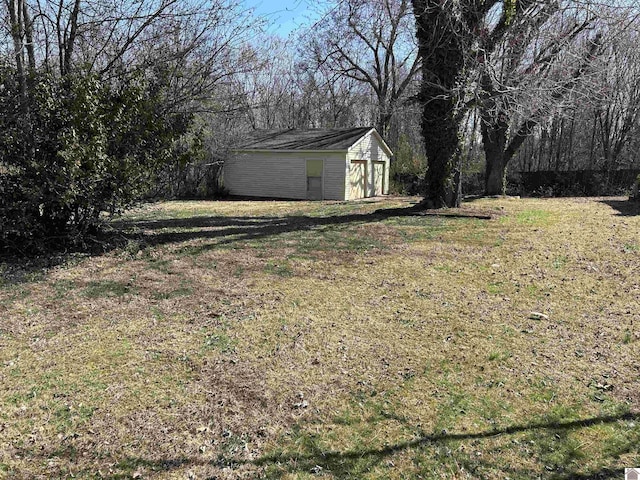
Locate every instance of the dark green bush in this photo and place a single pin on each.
(73, 148)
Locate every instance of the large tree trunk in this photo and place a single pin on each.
(383, 124)
(28, 34)
(494, 141)
(440, 130)
(442, 48)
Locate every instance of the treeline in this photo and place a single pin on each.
(99, 101)
(105, 103)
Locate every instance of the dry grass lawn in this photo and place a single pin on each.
(299, 340)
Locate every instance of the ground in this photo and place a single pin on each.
(298, 340)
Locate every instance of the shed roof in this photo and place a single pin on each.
(315, 139)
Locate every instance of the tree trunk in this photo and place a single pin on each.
(28, 33)
(442, 50)
(17, 30)
(440, 131)
(383, 123)
(570, 148)
(494, 141)
(70, 41)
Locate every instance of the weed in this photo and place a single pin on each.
(63, 287)
(560, 261)
(220, 342)
(182, 291)
(17, 293)
(107, 289)
(499, 356)
(69, 416)
(158, 314)
(159, 264)
(238, 272)
(443, 268)
(133, 248)
(533, 217)
(281, 269)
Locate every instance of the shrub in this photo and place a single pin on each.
(635, 190)
(76, 147)
(407, 169)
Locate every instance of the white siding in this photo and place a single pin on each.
(282, 174)
(358, 181)
(378, 178)
(335, 176)
(369, 148)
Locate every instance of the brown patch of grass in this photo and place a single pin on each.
(304, 339)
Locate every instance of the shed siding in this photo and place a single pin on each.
(282, 174)
(369, 149)
(264, 174)
(335, 176)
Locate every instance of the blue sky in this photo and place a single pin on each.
(284, 15)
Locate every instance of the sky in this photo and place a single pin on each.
(283, 15)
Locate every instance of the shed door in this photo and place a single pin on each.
(358, 177)
(378, 178)
(314, 179)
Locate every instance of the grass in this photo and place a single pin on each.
(299, 340)
(103, 288)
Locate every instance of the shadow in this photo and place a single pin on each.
(338, 460)
(118, 234)
(221, 230)
(15, 270)
(352, 463)
(228, 230)
(191, 222)
(625, 208)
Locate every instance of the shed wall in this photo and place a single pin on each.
(369, 148)
(335, 176)
(282, 174)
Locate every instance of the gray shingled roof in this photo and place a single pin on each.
(317, 139)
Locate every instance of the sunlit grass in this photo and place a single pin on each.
(330, 340)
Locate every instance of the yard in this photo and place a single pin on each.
(306, 340)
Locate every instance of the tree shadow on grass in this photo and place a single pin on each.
(212, 231)
(356, 462)
(625, 208)
(218, 230)
(344, 464)
(223, 231)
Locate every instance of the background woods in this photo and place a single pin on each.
(103, 103)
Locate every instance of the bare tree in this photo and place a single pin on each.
(528, 75)
(371, 42)
(286, 92)
(517, 60)
(617, 106)
(195, 45)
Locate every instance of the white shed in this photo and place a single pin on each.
(337, 164)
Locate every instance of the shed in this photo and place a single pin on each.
(335, 164)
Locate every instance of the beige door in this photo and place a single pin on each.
(358, 178)
(378, 178)
(314, 179)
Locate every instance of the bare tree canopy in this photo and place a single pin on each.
(371, 42)
(517, 62)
